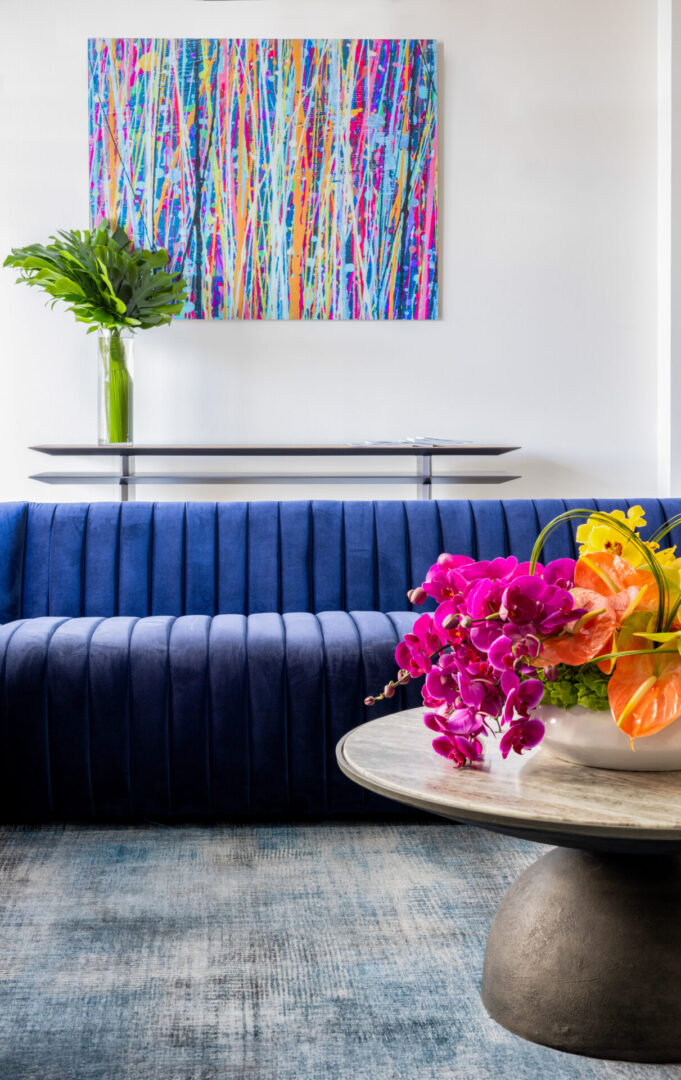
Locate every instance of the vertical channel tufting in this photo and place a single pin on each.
(169, 723)
(83, 551)
(343, 688)
(424, 539)
(328, 556)
(310, 558)
(285, 704)
(216, 567)
(6, 612)
(305, 713)
(294, 556)
(440, 545)
(149, 719)
(247, 566)
(392, 555)
(278, 558)
(457, 527)
(66, 559)
(37, 560)
(150, 564)
(101, 535)
(521, 527)
(189, 694)
(407, 556)
(110, 716)
(360, 556)
(228, 676)
(166, 569)
(209, 721)
(489, 527)
(249, 725)
(374, 545)
(7, 767)
(343, 600)
(67, 682)
(504, 519)
(232, 548)
(183, 579)
(474, 532)
(266, 688)
(326, 762)
(136, 525)
(29, 780)
(117, 602)
(201, 558)
(88, 713)
(263, 557)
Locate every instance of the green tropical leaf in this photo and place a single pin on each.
(102, 278)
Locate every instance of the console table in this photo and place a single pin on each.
(127, 478)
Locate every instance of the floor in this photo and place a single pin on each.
(260, 952)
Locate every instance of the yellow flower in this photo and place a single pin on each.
(595, 535)
(667, 557)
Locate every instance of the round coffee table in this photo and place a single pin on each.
(584, 953)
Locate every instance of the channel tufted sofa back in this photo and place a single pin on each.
(139, 559)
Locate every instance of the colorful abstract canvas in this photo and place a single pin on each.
(287, 179)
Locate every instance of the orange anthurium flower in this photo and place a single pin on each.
(645, 692)
(598, 631)
(589, 636)
(609, 574)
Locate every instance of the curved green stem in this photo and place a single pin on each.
(630, 536)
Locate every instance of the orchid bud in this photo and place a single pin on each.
(389, 690)
(369, 701)
(450, 621)
(416, 596)
(465, 621)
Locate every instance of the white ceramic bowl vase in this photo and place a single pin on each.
(593, 738)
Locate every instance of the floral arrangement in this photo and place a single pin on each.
(602, 631)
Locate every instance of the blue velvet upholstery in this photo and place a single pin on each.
(172, 660)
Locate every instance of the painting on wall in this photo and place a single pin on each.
(291, 179)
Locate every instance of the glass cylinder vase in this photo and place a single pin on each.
(115, 386)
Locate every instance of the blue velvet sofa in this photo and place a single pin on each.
(170, 660)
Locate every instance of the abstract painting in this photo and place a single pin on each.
(288, 179)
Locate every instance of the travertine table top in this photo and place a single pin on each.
(535, 792)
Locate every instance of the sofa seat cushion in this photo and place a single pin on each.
(171, 717)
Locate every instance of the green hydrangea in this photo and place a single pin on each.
(586, 686)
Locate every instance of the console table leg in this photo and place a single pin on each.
(584, 955)
(425, 462)
(127, 469)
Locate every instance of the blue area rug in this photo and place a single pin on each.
(348, 951)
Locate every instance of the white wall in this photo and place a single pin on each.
(547, 245)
